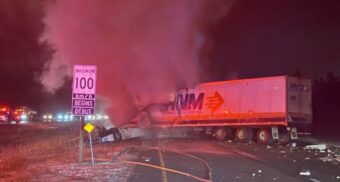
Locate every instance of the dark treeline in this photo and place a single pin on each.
(326, 106)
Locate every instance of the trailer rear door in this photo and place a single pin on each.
(299, 100)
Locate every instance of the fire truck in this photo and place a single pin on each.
(257, 109)
(4, 113)
(22, 114)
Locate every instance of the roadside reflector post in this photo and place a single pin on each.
(89, 128)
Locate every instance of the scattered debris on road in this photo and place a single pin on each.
(293, 144)
(326, 159)
(337, 158)
(305, 173)
(320, 147)
(147, 159)
(314, 180)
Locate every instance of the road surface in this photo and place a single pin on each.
(205, 160)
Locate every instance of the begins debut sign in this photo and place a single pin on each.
(84, 90)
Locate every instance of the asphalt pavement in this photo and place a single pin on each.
(170, 160)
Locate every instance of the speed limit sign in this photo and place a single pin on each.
(84, 90)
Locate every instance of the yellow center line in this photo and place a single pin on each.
(164, 177)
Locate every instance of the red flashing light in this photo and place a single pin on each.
(4, 109)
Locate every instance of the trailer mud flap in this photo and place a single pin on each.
(275, 133)
(293, 134)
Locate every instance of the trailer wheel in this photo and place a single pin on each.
(264, 136)
(242, 135)
(220, 134)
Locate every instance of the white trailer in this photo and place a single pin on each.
(265, 108)
(259, 108)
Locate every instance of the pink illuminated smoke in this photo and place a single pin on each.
(142, 48)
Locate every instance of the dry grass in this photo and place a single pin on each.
(47, 154)
(23, 146)
(35, 146)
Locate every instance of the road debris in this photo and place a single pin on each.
(337, 158)
(147, 159)
(314, 180)
(326, 159)
(305, 173)
(321, 147)
(293, 144)
(269, 147)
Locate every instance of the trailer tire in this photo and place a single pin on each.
(220, 134)
(264, 136)
(242, 135)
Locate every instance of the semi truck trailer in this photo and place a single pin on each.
(257, 109)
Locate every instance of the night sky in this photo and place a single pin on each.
(255, 38)
(263, 38)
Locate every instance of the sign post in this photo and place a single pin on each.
(83, 96)
(81, 139)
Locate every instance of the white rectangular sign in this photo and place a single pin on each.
(84, 79)
(84, 90)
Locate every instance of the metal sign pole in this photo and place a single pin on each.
(81, 140)
(91, 150)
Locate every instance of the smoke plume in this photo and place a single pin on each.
(143, 49)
